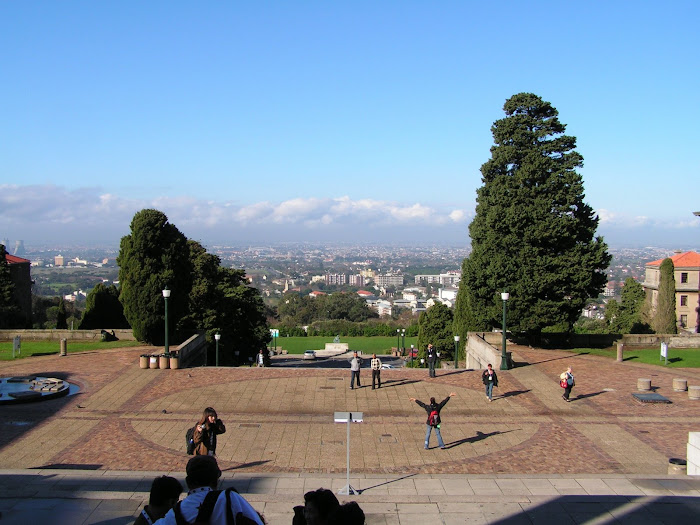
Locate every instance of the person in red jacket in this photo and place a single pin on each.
(433, 422)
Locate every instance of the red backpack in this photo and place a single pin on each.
(434, 418)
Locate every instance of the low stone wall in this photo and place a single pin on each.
(693, 455)
(338, 347)
(191, 349)
(480, 351)
(652, 340)
(70, 335)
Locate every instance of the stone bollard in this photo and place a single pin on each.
(620, 349)
(64, 347)
(644, 384)
(694, 392)
(680, 385)
(677, 467)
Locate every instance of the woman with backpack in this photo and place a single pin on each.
(433, 422)
(205, 432)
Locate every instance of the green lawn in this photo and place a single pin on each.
(368, 345)
(677, 357)
(30, 348)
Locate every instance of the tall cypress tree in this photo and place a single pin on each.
(664, 321)
(533, 235)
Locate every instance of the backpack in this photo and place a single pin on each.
(433, 418)
(189, 438)
(207, 508)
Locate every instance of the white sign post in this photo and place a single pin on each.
(664, 352)
(348, 417)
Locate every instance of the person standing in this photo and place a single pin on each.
(355, 364)
(569, 377)
(260, 358)
(490, 380)
(433, 410)
(431, 360)
(208, 427)
(376, 365)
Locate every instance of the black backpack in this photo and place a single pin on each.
(207, 507)
(189, 437)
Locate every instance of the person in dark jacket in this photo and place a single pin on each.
(433, 421)
(208, 427)
(431, 360)
(490, 380)
(165, 491)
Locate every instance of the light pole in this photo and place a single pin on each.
(403, 340)
(504, 358)
(217, 336)
(411, 356)
(398, 332)
(166, 296)
(456, 352)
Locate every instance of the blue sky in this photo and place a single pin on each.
(272, 121)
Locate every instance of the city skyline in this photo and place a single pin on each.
(344, 122)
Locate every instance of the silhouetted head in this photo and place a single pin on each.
(318, 506)
(202, 471)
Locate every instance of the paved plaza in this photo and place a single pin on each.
(526, 457)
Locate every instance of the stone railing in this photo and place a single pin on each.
(480, 350)
(191, 349)
(693, 455)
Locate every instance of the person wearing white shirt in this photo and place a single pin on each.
(376, 365)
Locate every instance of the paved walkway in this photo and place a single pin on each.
(90, 458)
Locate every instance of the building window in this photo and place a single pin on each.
(684, 321)
(684, 277)
(684, 300)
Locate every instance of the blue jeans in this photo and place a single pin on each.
(489, 389)
(428, 428)
(354, 376)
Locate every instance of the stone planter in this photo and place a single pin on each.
(680, 385)
(164, 362)
(153, 362)
(694, 392)
(143, 361)
(174, 362)
(644, 384)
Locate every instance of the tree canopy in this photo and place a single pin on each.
(435, 326)
(103, 309)
(664, 320)
(533, 235)
(204, 295)
(11, 315)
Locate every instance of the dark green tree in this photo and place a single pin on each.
(103, 309)
(154, 255)
(628, 318)
(10, 313)
(435, 326)
(61, 317)
(533, 235)
(664, 321)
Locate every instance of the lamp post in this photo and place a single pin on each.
(411, 355)
(166, 296)
(217, 336)
(403, 340)
(398, 332)
(456, 352)
(504, 358)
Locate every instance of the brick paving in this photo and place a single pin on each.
(280, 419)
(90, 457)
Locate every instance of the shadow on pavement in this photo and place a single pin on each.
(385, 483)
(584, 396)
(513, 393)
(478, 437)
(609, 509)
(246, 465)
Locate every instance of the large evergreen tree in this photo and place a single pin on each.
(664, 321)
(154, 255)
(435, 326)
(10, 314)
(103, 309)
(533, 235)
